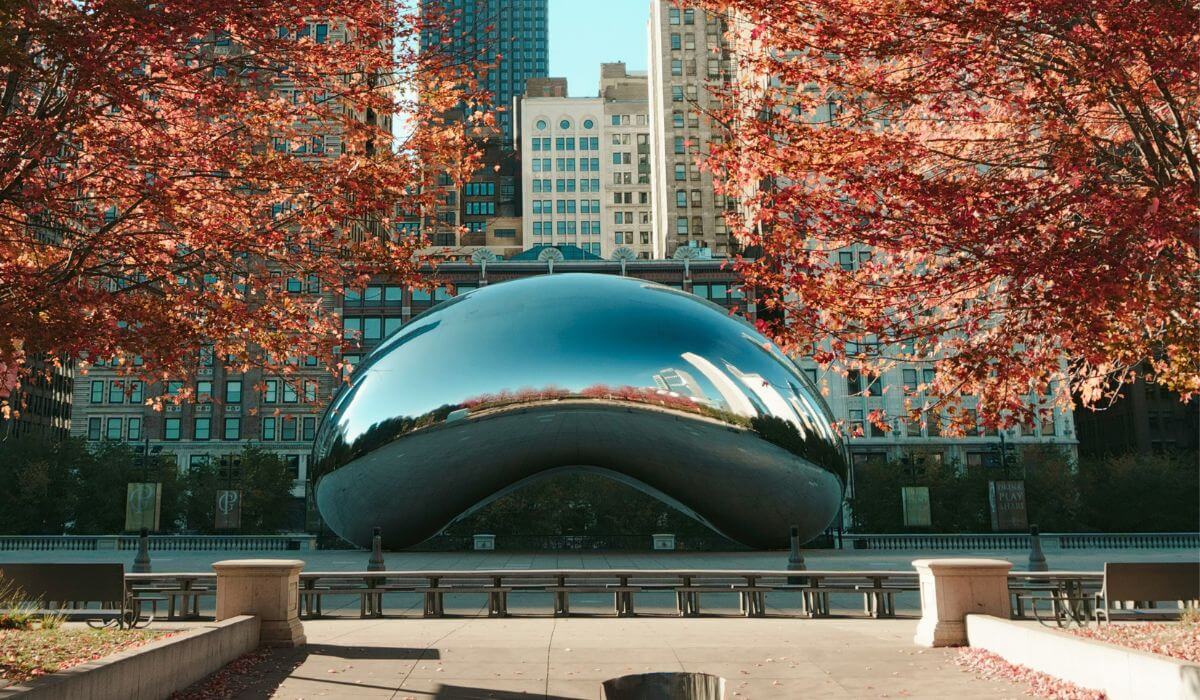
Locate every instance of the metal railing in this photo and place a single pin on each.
(1019, 541)
(180, 543)
(793, 593)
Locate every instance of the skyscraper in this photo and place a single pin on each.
(688, 56)
(482, 30)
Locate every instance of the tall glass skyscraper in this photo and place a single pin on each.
(515, 30)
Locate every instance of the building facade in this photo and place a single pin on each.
(585, 168)
(689, 58)
(41, 406)
(1146, 418)
(626, 151)
(516, 31)
(563, 171)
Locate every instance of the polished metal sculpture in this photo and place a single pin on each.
(515, 381)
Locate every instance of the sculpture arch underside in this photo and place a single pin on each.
(742, 486)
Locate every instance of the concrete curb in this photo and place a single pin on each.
(1119, 671)
(148, 672)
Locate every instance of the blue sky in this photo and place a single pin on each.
(586, 33)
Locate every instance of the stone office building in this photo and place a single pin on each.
(689, 57)
(585, 167)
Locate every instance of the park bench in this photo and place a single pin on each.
(65, 590)
(1146, 583)
(1135, 586)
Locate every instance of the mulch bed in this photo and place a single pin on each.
(1180, 640)
(252, 675)
(993, 667)
(29, 654)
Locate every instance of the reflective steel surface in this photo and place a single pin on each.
(644, 383)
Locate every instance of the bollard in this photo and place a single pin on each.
(376, 561)
(796, 559)
(1037, 559)
(269, 589)
(141, 560)
(951, 589)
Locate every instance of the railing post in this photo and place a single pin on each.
(796, 558)
(1037, 559)
(376, 563)
(141, 560)
(951, 589)
(266, 588)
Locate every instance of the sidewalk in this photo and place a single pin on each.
(568, 658)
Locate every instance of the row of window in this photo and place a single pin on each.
(566, 206)
(931, 426)
(564, 124)
(479, 189)
(273, 428)
(565, 227)
(481, 208)
(542, 185)
(543, 165)
(390, 295)
(117, 391)
(566, 143)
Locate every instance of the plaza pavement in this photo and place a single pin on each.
(557, 658)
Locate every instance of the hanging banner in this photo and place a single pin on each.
(229, 509)
(143, 505)
(1007, 500)
(915, 500)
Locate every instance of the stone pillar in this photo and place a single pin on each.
(951, 589)
(269, 589)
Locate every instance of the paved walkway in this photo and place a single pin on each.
(568, 658)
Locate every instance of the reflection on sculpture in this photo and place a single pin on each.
(643, 383)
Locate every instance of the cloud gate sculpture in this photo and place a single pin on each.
(515, 381)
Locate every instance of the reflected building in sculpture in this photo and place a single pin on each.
(643, 383)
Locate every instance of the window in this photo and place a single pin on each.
(689, 16)
(97, 392)
(289, 393)
(204, 391)
(292, 462)
(112, 429)
(676, 66)
(174, 387)
(310, 391)
(673, 15)
(588, 123)
(680, 172)
(203, 429)
(541, 124)
(135, 392)
(271, 391)
(676, 42)
(681, 225)
(676, 93)
(310, 423)
(116, 392)
(679, 144)
(135, 429)
(854, 385)
(268, 428)
(287, 428)
(94, 428)
(171, 429)
(564, 124)
(233, 428)
(233, 391)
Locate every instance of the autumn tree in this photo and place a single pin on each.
(166, 167)
(1003, 190)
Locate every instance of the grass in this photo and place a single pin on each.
(28, 654)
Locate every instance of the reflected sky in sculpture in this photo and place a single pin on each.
(510, 380)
